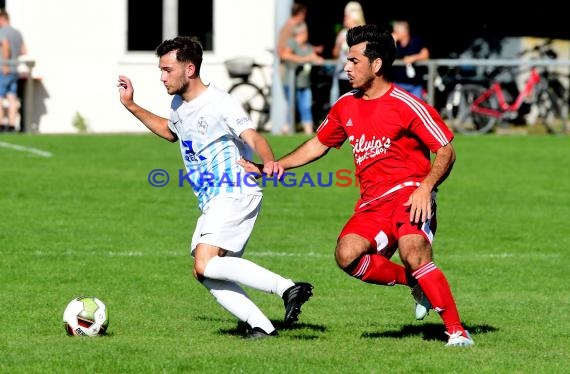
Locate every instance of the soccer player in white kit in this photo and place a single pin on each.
(214, 132)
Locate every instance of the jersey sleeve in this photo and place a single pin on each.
(330, 131)
(428, 125)
(235, 116)
(173, 118)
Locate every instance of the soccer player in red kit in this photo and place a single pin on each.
(392, 134)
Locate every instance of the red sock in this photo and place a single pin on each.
(378, 269)
(435, 287)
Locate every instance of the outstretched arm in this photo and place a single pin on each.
(306, 153)
(155, 123)
(420, 200)
(260, 145)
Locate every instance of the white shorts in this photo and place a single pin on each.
(227, 223)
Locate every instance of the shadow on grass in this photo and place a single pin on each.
(299, 328)
(428, 331)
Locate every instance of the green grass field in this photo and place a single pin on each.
(87, 221)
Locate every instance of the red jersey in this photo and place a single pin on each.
(391, 138)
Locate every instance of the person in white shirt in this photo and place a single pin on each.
(214, 132)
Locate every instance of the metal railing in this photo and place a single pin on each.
(432, 67)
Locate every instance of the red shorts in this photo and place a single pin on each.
(385, 220)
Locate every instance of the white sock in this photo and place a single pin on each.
(234, 299)
(245, 272)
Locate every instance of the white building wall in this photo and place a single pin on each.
(80, 48)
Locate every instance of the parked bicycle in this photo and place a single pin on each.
(448, 79)
(478, 108)
(255, 99)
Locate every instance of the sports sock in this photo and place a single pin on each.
(377, 269)
(234, 299)
(437, 290)
(248, 273)
(412, 282)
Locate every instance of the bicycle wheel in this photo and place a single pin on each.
(549, 106)
(459, 111)
(253, 101)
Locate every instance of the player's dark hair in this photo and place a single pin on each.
(188, 49)
(379, 44)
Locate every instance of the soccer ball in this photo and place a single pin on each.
(86, 316)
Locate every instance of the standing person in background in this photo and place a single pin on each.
(285, 43)
(12, 47)
(353, 16)
(393, 136)
(298, 16)
(214, 132)
(299, 51)
(410, 49)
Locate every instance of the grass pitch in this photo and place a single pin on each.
(79, 217)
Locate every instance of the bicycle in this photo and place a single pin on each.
(478, 108)
(255, 99)
(448, 79)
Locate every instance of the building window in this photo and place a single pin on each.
(157, 20)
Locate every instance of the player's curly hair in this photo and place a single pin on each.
(379, 44)
(188, 49)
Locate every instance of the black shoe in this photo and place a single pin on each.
(293, 298)
(10, 129)
(259, 333)
(3, 128)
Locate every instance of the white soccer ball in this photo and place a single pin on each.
(86, 316)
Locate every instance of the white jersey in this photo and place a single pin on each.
(208, 129)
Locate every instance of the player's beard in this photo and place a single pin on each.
(181, 89)
(365, 85)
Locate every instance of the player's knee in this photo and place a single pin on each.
(347, 261)
(342, 259)
(198, 276)
(349, 249)
(415, 260)
(350, 267)
(198, 271)
(415, 253)
(202, 257)
(199, 268)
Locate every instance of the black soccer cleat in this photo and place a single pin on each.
(293, 298)
(259, 333)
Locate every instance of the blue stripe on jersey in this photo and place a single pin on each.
(228, 166)
(218, 169)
